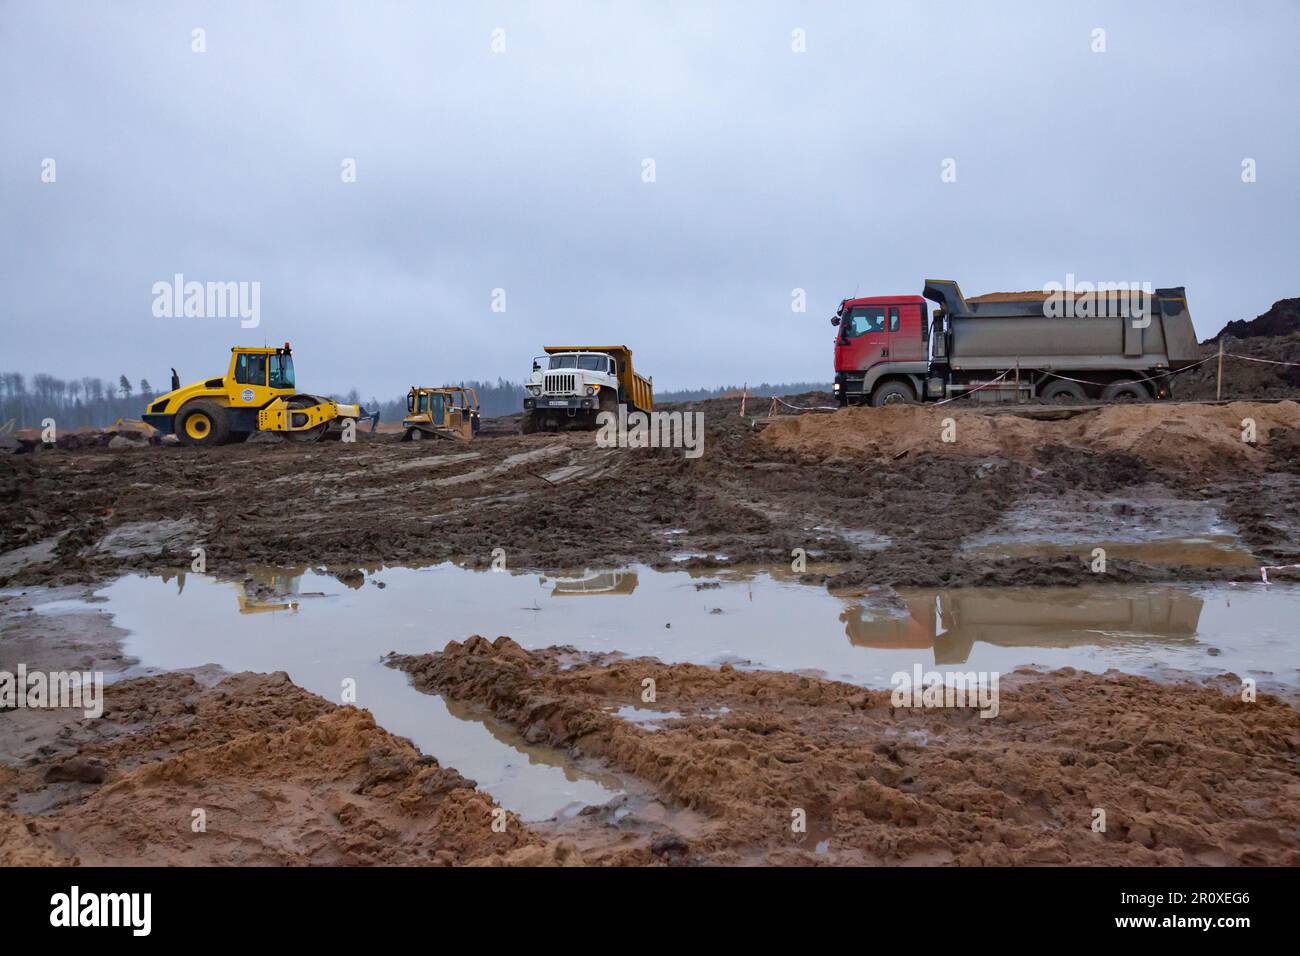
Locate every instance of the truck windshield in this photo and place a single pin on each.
(281, 371)
(864, 319)
(588, 363)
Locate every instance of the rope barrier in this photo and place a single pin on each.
(974, 390)
(1251, 358)
(1263, 572)
(807, 408)
(1140, 378)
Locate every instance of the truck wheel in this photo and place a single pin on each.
(529, 425)
(893, 393)
(1063, 393)
(202, 423)
(608, 401)
(1125, 391)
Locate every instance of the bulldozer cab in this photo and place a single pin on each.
(447, 412)
(425, 401)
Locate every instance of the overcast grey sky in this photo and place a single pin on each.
(523, 170)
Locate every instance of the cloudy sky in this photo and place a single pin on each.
(523, 169)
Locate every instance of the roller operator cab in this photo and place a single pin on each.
(257, 393)
(1015, 346)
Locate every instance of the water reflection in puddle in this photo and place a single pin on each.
(323, 630)
(1212, 551)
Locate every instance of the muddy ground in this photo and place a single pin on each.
(553, 501)
(1187, 774)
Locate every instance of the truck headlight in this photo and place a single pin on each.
(591, 389)
(534, 389)
(836, 386)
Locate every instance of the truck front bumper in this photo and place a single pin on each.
(552, 402)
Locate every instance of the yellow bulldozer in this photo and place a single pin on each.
(447, 412)
(257, 394)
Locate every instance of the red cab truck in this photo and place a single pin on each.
(1007, 347)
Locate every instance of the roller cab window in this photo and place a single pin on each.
(281, 375)
(250, 369)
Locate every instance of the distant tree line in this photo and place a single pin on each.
(70, 402)
(99, 402)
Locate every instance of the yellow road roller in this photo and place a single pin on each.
(257, 393)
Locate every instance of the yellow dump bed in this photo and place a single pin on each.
(638, 389)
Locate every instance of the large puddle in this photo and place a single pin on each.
(324, 632)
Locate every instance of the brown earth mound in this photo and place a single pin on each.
(1200, 438)
(282, 776)
(1243, 376)
(1282, 318)
(1185, 774)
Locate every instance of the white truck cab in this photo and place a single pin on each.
(562, 376)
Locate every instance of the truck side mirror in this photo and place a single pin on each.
(835, 320)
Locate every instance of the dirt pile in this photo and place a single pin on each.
(1250, 370)
(1196, 438)
(1281, 319)
(254, 770)
(117, 438)
(1185, 774)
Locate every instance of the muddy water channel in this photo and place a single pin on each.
(329, 636)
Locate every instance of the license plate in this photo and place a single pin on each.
(560, 404)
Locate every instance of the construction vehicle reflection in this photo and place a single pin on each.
(953, 621)
(262, 590)
(599, 582)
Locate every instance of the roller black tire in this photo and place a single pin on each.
(188, 419)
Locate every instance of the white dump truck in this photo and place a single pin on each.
(571, 385)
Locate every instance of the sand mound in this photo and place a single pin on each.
(1187, 774)
(282, 778)
(1195, 437)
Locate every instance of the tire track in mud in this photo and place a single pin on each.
(279, 775)
(1186, 774)
(553, 500)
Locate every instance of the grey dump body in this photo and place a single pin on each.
(1003, 334)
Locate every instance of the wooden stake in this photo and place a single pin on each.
(1218, 390)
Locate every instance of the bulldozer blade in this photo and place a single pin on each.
(417, 432)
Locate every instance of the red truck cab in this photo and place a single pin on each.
(881, 341)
